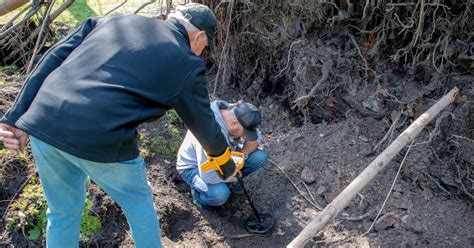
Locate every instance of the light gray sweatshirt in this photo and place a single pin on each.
(192, 155)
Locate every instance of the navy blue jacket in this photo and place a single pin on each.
(88, 93)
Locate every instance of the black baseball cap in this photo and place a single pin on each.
(202, 18)
(249, 117)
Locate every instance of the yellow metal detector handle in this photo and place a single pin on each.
(214, 163)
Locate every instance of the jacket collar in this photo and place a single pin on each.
(179, 27)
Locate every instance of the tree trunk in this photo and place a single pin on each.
(9, 5)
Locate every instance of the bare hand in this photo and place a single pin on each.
(13, 138)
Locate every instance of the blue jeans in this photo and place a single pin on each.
(217, 194)
(63, 178)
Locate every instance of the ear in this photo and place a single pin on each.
(200, 35)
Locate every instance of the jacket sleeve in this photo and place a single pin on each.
(48, 63)
(193, 107)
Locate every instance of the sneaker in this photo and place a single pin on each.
(236, 188)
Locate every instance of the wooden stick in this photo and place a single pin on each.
(10, 22)
(343, 199)
(33, 35)
(38, 41)
(26, 18)
(10, 5)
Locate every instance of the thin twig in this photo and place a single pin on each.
(116, 7)
(309, 192)
(437, 183)
(245, 235)
(224, 55)
(461, 137)
(9, 23)
(367, 68)
(391, 188)
(302, 101)
(23, 45)
(296, 187)
(289, 57)
(436, 130)
(356, 218)
(38, 41)
(389, 132)
(143, 6)
(458, 171)
(26, 18)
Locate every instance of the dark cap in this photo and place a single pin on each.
(249, 117)
(202, 18)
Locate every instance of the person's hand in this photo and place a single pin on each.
(13, 138)
(237, 174)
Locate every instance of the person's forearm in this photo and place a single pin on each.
(250, 146)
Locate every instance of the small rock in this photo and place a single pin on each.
(397, 188)
(371, 104)
(279, 232)
(365, 226)
(321, 190)
(405, 218)
(328, 197)
(386, 221)
(402, 204)
(307, 175)
(412, 226)
(396, 195)
(410, 242)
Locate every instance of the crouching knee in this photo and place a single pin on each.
(261, 157)
(218, 194)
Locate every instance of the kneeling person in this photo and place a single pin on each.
(238, 122)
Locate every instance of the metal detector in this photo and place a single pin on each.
(261, 223)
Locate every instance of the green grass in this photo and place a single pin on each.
(79, 11)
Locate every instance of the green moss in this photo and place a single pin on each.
(168, 148)
(30, 210)
(173, 118)
(30, 213)
(89, 224)
(166, 144)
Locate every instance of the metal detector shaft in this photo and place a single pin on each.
(241, 182)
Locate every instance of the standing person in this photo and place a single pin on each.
(83, 102)
(238, 122)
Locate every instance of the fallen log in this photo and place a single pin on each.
(10, 5)
(342, 200)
